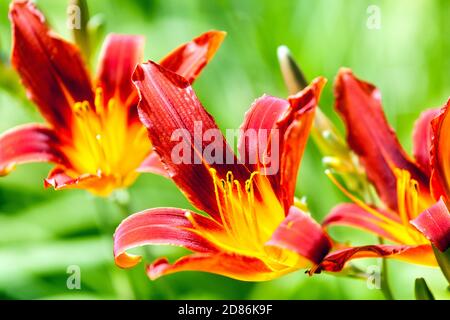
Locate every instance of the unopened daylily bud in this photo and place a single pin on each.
(324, 132)
(331, 143)
(292, 74)
(96, 30)
(78, 19)
(338, 164)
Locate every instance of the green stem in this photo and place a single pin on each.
(81, 34)
(354, 272)
(166, 290)
(385, 287)
(121, 200)
(123, 208)
(122, 281)
(384, 281)
(104, 221)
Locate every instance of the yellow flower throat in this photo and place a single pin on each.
(105, 143)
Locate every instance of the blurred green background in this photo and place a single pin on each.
(42, 232)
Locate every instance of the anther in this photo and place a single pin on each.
(99, 102)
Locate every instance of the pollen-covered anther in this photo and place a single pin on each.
(237, 209)
(189, 216)
(408, 202)
(80, 108)
(99, 101)
(407, 194)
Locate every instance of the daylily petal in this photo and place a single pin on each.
(171, 111)
(226, 264)
(349, 214)
(168, 226)
(371, 137)
(120, 56)
(422, 138)
(434, 223)
(258, 132)
(99, 185)
(264, 114)
(440, 164)
(303, 106)
(335, 261)
(189, 59)
(282, 128)
(153, 164)
(51, 69)
(299, 233)
(29, 143)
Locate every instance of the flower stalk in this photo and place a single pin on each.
(384, 280)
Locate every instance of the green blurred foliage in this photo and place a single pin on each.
(42, 232)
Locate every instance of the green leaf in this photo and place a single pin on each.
(422, 291)
(443, 259)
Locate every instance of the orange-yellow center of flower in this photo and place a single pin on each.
(239, 210)
(409, 207)
(250, 213)
(106, 144)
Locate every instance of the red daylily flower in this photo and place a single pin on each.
(411, 215)
(93, 134)
(252, 230)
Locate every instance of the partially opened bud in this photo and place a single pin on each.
(332, 145)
